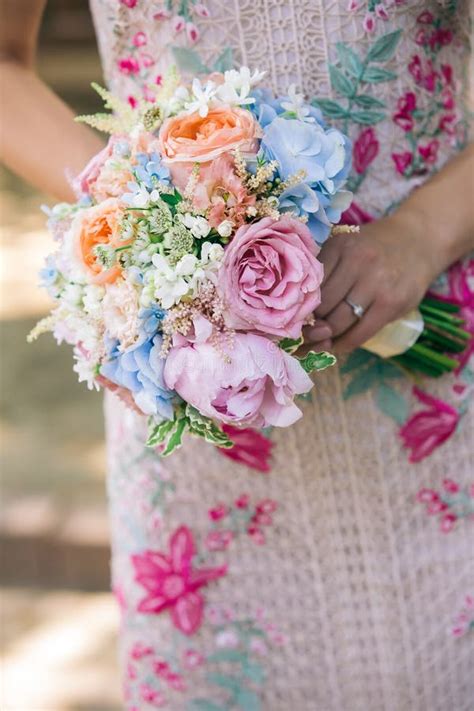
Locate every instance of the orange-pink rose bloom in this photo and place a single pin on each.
(195, 139)
(100, 225)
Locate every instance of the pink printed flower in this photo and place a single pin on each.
(267, 506)
(140, 650)
(429, 152)
(448, 99)
(172, 583)
(381, 12)
(407, 102)
(415, 69)
(440, 38)
(129, 3)
(447, 124)
(128, 65)
(146, 60)
(422, 38)
(132, 101)
(139, 39)
(447, 522)
(162, 14)
(250, 448)
(256, 534)
(425, 18)
(192, 659)
(178, 23)
(270, 278)
(219, 540)
(461, 291)
(192, 32)
(430, 428)
(242, 502)
(402, 161)
(218, 512)
(366, 148)
(355, 215)
(201, 10)
(151, 696)
(353, 5)
(464, 621)
(450, 486)
(368, 23)
(447, 73)
(404, 121)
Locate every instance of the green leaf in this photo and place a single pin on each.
(384, 48)
(228, 655)
(357, 359)
(392, 403)
(376, 75)
(225, 61)
(203, 705)
(339, 82)
(225, 681)
(248, 700)
(369, 102)
(367, 118)
(158, 433)
(331, 108)
(317, 361)
(361, 382)
(387, 370)
(349, 60)
(254, 672)
(176, 438)
(206, 428)
(290, 345)
(189, 61)
(171, 198)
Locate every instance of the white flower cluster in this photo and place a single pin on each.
(233, 91)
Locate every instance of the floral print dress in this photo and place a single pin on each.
(340, 579)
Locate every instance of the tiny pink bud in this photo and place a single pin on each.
(368, 23)
(427, 495)
(178, 24)
(242, 502)
(450, 486)
(436, 507)
(447, 523)
(139, 39)
(201, 10)
(192, 32)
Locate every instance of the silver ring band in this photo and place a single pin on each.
(357, 309)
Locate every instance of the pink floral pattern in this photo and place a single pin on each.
(428, 429)
(451, 504)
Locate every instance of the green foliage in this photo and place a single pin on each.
(317, 361)
(224, 61)
(186, 419)
(384, 47)
(392, 403)
(120, 121)
(291, 345)
(189, 61)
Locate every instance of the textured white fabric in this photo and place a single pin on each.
(361, 582)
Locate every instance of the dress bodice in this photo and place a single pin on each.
(401, 100)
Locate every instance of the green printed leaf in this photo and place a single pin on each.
(317, 361)
(158, 433)
(349, 60)
(225, 681)
(392, 403)
(369, 102)
(189, 61)
(247, 700)
(225, 61)
(228, 655)
(254, 672)
(203, 705)
(176, 438)
(339, 82)
(361, 382)
(384, 48)
(376, 75)
(290, 345)
(388, 370)
(331, 108)
(357, 359)
(367, 118)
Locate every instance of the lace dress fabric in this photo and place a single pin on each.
(330, 589)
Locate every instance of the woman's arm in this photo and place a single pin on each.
(389, 266)
(39, 139)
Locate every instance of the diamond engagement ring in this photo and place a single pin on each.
(358, 310)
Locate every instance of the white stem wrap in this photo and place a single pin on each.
(397, 337)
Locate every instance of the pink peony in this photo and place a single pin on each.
(172, 583)
(219, 192)
(428, 429)
(270, 278)
(89, 175)
(255, 386)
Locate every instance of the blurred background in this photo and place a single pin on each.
(58, 619)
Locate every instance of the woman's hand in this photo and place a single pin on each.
(386, 269)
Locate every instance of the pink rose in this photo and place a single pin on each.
(254, 386)
(270, 278)
(86, 179)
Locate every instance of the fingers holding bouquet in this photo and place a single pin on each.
(371, 279)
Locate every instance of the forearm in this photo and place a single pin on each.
(39, 139)
(441, 212)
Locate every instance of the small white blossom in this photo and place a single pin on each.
(92, 299)
(177, 102)
(140, 197)
(297, 105)
(85, 369)
(72, 294)
(225, 228)
(197, 225)
(202, 98)
(237, 84)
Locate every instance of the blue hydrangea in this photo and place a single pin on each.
(267, 107)
(140, 370)
(150, 170)
(325, 157)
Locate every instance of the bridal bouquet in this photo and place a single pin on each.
(187, 268)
